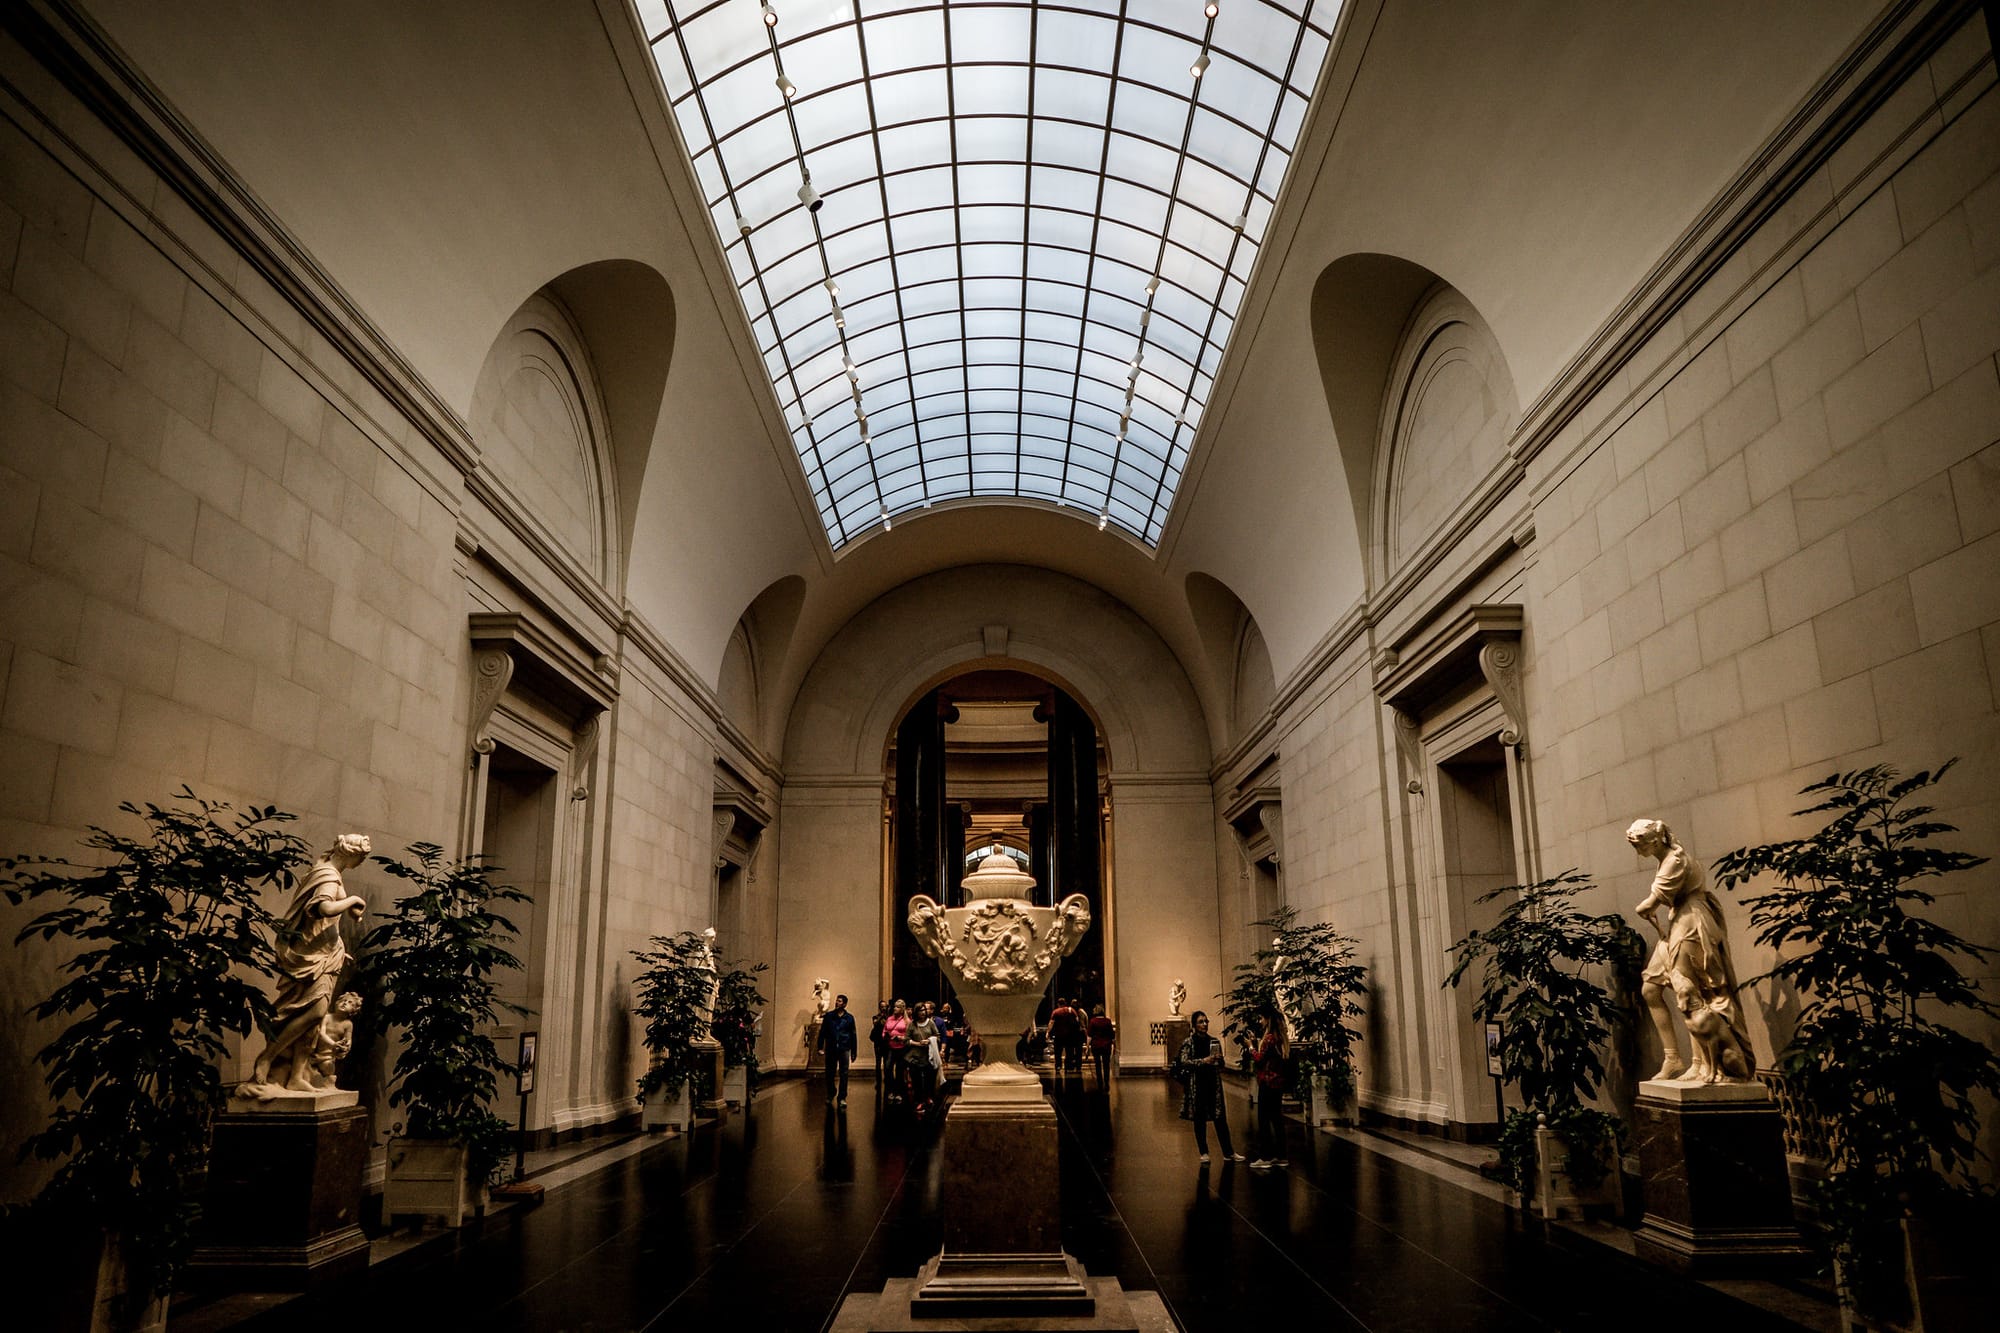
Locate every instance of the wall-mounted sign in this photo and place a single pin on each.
(524, 1068)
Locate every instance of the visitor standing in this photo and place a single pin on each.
(921, 1053)
(836, 1039)
(878, 1041)
(1199, 1067)
(1103, 1035)
(895, 1036)
(1273, 1050)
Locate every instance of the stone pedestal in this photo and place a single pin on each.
(283, 1205)
(1175, 1032)
(815, 1057)
(1718, 1201)
(710, 1054)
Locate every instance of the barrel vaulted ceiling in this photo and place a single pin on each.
(990, 248)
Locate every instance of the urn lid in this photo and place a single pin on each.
(997, 877)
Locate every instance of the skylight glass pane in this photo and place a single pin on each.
(992, 284)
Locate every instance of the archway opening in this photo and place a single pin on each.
(997, 758)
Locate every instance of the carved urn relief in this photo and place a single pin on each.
(1000, 951)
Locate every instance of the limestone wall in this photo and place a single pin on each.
(232, 558)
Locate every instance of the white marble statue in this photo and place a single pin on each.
(310, 956)
(332, 1040)
(1690, 962)
(1176, 998)
(822, 996)
(714, 991)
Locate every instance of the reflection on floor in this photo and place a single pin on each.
(773, 1216)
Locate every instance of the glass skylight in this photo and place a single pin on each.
(991, 248)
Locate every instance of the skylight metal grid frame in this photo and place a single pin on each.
(971, 309)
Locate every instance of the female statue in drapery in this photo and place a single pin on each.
(1690, 963)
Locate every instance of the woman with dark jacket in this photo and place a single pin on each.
(1200, 1068)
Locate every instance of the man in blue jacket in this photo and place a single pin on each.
(836, 1039)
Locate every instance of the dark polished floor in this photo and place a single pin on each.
(767, 1221)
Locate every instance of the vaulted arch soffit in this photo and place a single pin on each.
(1419, 392)
(580, 369)
(1238, 683)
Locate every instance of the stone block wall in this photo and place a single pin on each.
(228, 561)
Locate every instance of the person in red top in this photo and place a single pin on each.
(1268, 1063)
(1064, 1033)
(1103, 1034)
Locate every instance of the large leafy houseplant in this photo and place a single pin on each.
(173, 947)
(432, 966)
(1872, 1050)
(1308, 974)
(1555, 1017)
(734, 1024)
(673, 985)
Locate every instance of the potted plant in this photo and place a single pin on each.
(431, 965)
(172, 948)
(1555, 1018)
(1309, 974)
(1874, 1051)
(672, 985)
(736, 1025)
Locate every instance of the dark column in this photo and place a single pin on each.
(926, 860)
(1073, 837)
(1039, 864)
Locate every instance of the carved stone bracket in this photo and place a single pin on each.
(1410, 747)
(492, 670)
(1257, 816)
(583, 758)
(1443, 658)
(1500, 663)
(740, 819)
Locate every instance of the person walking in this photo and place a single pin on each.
(836, 1039)
(1063, 1030)
(896, 1036)
(1103, 1035)
(1199, 1067)
(1273, 1049)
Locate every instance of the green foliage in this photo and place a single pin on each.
(672, 986)
(173, 950)
(1871, 1051)
(431, 965)
(1555, 1018)
(1321, 981)
(734, 1024)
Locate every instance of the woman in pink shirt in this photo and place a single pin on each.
(896, 1032)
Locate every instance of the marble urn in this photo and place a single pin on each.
(1000, 951)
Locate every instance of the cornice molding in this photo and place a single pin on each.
(88, 65)
(1905, 35)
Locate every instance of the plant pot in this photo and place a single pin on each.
(736, 1085)
(1948, 1277)
(1556, 1190)
(111, 1311)
(661, 1112)
(426, 1177)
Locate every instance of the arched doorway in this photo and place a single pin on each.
(997, 757)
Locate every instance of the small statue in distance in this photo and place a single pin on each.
(707, 964)
(1176, 998)
(822, 992)
(1691, 961)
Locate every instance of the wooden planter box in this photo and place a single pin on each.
(736, 1085)
(1555, 1190)
(659, 1112)
(426, 1177)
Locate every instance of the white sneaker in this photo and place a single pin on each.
(1234, 1157)
(1261, 1165)
(1204, 1157)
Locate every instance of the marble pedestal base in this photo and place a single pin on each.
(1116, 1311)
(1718, 1200)
(1174, 1033)
(283, 1205)
(710, 1054)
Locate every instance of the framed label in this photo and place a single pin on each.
(524, 1068)
(1493, 1049)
